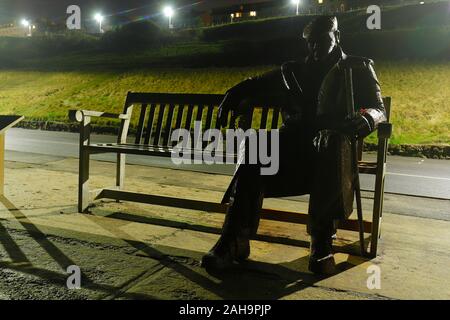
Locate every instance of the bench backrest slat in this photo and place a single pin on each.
(159, 123)
(264, 116)
(387, 105)
(168, 126)
(140, 128)
(209, 117)
(199, 113)
(275, 118)
(178, 120)
(151, 116)
(188, 122)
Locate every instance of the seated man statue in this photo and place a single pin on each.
(315, 152)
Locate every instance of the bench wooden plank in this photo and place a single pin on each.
(174, 98)
(188, 121)
(209, 117)
(148, 150)
(168, 126)
(199, 113)
(264, 115)
(275, 118)
(150, 120)
(267, 214)
(140, 127)
(178, 122)
(159, 122)
(179, 118)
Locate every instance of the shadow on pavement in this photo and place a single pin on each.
(248, 280)
(22, 264)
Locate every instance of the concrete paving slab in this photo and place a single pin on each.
(34, 266)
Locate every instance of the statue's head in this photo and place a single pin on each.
(322, 36)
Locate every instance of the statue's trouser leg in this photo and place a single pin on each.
(245, 203)
(246, 197)
(331, 199)
(242, 219)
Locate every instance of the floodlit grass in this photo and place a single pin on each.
(421, 101)
(420, 91)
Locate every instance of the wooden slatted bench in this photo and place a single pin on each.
(161, 114)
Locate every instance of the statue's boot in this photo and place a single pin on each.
(229, 248)
(321, 261)
(241, 222)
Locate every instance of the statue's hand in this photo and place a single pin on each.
(321, 140)
(359, 126)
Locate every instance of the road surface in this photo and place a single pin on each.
(412, 176)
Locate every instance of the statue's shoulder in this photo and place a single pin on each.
(362, 67)
(356, 62)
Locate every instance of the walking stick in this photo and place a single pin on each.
(351, 114)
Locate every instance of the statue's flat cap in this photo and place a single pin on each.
(320, 26)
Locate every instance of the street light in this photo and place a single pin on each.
(168, 12)
(99, 18)
(27, 24)
(296, 3)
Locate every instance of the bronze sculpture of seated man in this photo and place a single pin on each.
(315, 145)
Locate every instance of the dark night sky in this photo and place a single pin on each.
(16, 9)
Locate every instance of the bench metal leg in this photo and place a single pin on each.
(83, 177)
(121, 158)
(120, 170)
(2, 164)
(358, 197)
(378, 196)
(377, 209)
(359, 212)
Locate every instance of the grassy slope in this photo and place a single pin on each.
(421, 101)
(420, 115)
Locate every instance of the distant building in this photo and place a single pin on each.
(245, 11)
(214, 12)
(15, 30)
(235, 11)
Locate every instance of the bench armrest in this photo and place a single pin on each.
(384, 130)
(78, 115)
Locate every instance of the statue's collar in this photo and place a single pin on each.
(335, 57)
(342, 54)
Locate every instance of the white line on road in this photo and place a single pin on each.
(416, 176)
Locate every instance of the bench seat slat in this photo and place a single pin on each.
(368, 167)
(139, 149)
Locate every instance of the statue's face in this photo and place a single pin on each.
(321, 46)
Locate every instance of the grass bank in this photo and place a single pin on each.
(420, 91)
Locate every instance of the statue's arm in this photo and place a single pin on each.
(261, 89)
(368, 98)
(265, 86)
(369, 106)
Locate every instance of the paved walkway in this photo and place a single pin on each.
(134, 251)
